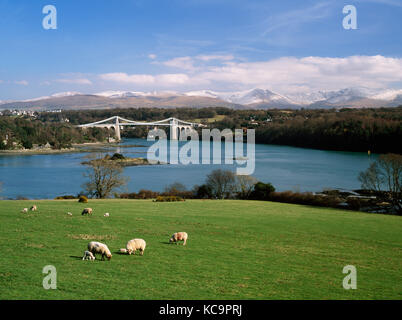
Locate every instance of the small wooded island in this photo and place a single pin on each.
(123, 161)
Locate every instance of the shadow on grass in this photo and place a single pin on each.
(76, 257)
(121, 253)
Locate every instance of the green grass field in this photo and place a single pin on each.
(235, 250)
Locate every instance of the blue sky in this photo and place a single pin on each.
(183, 45)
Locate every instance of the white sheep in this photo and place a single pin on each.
(69, 214)
(88, 256)
(136, 244)
(25, 210)
(34, 208)
(106, 214)
(100, 248)
(179, 236)
(122, 250)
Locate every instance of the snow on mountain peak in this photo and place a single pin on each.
(127, 94)
(255, 96)
(65, 94)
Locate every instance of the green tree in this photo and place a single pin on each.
(261, 191)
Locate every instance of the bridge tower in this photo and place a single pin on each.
(117, 129)
(173, 129)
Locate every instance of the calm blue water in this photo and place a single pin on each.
(287, 168)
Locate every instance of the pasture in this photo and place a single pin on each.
(235, 250)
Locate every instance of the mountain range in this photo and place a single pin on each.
(249, 99)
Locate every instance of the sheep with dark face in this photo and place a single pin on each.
(179, 236)
(134, 245)
(99, 248)
(87, 211)
(34, 208)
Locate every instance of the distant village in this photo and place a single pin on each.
(29, 113)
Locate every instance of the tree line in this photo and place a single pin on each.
(359, 130)
(376, 129)
(25, 132)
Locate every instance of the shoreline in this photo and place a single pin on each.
(81, 148)
(39, 152)
(76, 148)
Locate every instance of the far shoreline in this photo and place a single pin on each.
(76, 148)
(38, 152)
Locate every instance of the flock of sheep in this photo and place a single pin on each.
(132, 246)
(33, 208)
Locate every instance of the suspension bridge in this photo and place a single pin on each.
(177, 126)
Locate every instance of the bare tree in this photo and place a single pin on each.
(222, 183)
(385, 175)
(372, 178)
(391, 165)
(175, 188)
(245, 185)
(104, 176)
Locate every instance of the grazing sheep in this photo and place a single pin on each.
(179, 236)
(34, 208)
(87, 211)
(88, 256)
(100, 248)
(106, 214)
(69, 214)
(122, 250)
(25, 210)
(136, 244)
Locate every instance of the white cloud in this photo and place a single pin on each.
(21, 82)
(160, 80)
(75, 81)
(152, 56)
(215, 57)
(121, 77)
(284, 75)
(185, 63)
(172, 79)
(316, 73)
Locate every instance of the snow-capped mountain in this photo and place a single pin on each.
(248, 97)
(129, 94)
(258, 96)
(347, 95)
(334, 97)
(203, 93)
(263, 96)
(56, 95)
(254, 98)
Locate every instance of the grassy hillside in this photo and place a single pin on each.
(235, 250)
